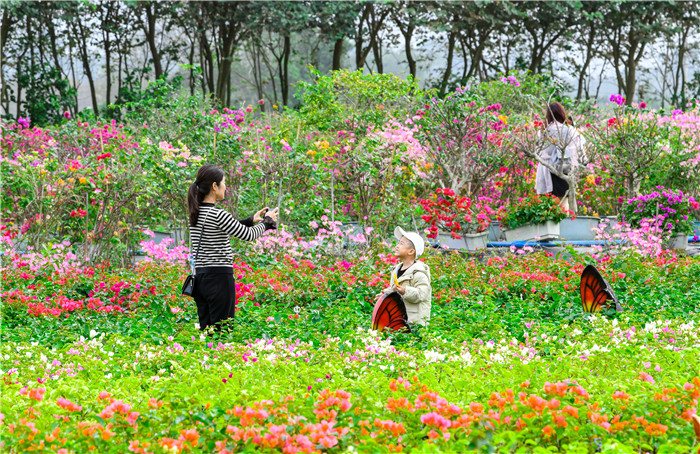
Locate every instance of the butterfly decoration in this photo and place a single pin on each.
(696, 428)
(390, 312)
(596, 293)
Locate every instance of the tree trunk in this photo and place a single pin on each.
(378, 58)
(477, 55)
(86, 64)
(108, 68)
(150, 30)
(359, 39)
(679, 86)
(408, 36)
(465, 59)
(205, 53)
(191, 63)
(4, 32)
(72, 71)
(119, 70)
(229, 38)
(228, 91)
(586, 63)
(448, 70)
(374, 26)
(7, 23)
(270, 71)
(284, 70)
(52, 41)
(337, 53)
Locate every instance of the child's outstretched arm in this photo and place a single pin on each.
(419, 292)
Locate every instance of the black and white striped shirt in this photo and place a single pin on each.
(220, 226)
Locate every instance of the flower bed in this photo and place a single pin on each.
(508, 359)
(361, 391)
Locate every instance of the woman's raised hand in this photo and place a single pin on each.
(273, 214)
(260, 215)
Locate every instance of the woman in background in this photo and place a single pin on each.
(561, 151)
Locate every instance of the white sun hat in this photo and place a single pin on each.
(415, 238)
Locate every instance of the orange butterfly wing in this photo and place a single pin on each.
(696, 426)
(596, 293)
(390, 312)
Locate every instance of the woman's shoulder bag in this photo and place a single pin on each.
(190, 280)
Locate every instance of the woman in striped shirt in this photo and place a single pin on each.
(210, 231)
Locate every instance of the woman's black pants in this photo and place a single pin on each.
(559, 186)
(215, 295)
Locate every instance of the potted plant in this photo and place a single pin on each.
(671, 211)
(458, 222)
(534, 217)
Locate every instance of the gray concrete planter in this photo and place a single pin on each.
(677, 242)
(469, 241)
(534, 232)
(579, 229)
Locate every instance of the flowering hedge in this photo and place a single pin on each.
(114, 359)
(671, 210)
(358, 391)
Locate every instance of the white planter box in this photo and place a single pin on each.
(677, 242)
(469, 241)
(475, 241)
(531, 232)
(579, 229)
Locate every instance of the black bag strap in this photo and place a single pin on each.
(199, 243)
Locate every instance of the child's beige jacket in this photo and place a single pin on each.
(418, 295)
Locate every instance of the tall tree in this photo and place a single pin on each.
(371, 21)
(632, 26)
(336, 22)
(544, 23)
(410, 17)
(685, 26)
(10, 18)
(589, 30)
(277, 21)
(221, 30)
(82, 28)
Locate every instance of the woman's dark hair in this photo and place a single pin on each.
(555, 112)
(207, 175)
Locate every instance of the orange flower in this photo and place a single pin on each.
(620, 395)
(571, 411)
(37, 393)
(548, 431)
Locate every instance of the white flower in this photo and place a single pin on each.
(433, 356)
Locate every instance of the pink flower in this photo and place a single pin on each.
(646, 377)
(37, 394)
(104, 395)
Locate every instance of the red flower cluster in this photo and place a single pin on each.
(456, 214)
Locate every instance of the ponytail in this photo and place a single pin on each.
(207, 175)
(193, 202)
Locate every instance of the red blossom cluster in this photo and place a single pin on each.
(455, 214)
